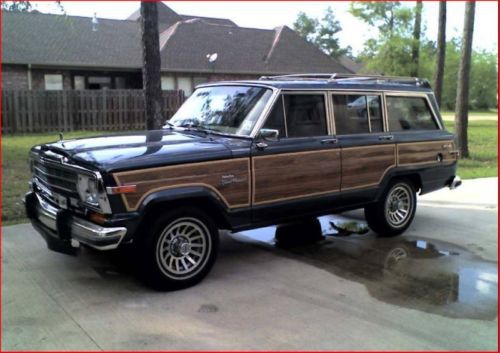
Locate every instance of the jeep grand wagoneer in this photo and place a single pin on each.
(241, 155)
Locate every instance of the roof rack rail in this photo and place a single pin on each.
(339, 77)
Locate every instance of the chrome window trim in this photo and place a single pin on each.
(329, 104)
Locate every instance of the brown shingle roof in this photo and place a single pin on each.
(57, 40)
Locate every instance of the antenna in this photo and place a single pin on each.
(212, 57)
(95, 22)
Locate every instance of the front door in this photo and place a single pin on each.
(302, 165)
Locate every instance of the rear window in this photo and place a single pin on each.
(409, 113)
(357, 113)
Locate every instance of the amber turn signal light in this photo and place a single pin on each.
(97, 217)
(124, 189)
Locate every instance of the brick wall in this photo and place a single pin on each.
(14, 77)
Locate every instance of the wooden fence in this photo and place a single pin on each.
(25, 111)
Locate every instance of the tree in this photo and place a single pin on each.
(461, 108)
(327, 35)
(24, 6)
(306, 27)
(417, 28)
(151, 63)
(390, 53)
(17, 6)
(323, 34)
(441, 52)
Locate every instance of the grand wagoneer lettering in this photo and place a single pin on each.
(241, 155)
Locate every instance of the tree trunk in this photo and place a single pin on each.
(461, 109)
(441, 52)
(151, 63)
(417, 28)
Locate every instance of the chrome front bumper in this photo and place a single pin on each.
(80, 230)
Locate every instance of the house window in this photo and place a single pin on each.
(305, 115)
(357, 114)
(409, 113)
(53, 82)
(167, 83)
(79, 82)
(185, 84)
(120, 83)
(99, 82)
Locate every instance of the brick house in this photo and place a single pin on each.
(55, 52)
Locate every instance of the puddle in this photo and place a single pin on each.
(427, 275)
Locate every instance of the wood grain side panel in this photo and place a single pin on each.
(207, 174)
(295, 175)
(366, 166)
(425, 152)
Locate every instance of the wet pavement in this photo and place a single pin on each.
(418, 273)
(322, 285)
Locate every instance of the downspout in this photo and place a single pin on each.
(29, 77)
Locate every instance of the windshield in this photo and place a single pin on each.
(226, 109)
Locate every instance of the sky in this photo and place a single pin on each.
(271, 14)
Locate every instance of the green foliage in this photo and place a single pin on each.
(327, 35)
(322, 33)
(483, 137)
(390, 53)
(17, 6)
(390, 18)
(483, 78)
(16, 171)
(306, 27)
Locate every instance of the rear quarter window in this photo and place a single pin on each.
(409, 113)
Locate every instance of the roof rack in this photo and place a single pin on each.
(337, 77)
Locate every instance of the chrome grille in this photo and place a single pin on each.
(55, 177)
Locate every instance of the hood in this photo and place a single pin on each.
(141, 149)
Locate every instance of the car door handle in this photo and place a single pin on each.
(330, 141)
(386, 137)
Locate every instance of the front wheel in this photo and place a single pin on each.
(395, 210)
(179, 251)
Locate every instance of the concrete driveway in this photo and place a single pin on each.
(435, 288)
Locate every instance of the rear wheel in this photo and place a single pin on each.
(179, 251)
(395, 210)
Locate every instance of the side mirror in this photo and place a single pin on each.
(269, 134)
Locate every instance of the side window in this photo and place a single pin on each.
(409, 113)
(305, 115)
(276, 119)
(357, 114)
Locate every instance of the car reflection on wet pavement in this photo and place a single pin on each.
(434, 277)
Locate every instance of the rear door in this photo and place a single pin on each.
(368, 151)
(303, 164)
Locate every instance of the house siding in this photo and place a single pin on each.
(14, 77)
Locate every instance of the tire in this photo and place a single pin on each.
(395, 210)
(179, 251)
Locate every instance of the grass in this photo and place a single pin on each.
(483, 139)
(483, 142)
(15, 171)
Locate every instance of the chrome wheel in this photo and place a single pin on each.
(398, 206)
(183, 248)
